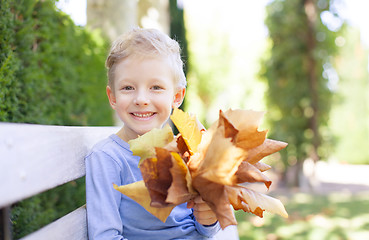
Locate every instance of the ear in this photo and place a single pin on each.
(178, 97)
(111, 96)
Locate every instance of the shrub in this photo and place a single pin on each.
(51, 72)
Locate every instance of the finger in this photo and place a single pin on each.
(201, 207)
(198, 199)
(205, 218)
(190, 204)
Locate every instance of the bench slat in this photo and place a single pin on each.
(36, 158)
(71, 226)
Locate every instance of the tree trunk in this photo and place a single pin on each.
(311, 13)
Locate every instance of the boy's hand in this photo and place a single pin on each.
(202, 212)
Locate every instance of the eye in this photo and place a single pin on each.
(127, 88)
(156, 87)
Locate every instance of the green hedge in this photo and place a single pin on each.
(51, 72)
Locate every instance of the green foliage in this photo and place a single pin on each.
(350, 116)
(51, 72)
(318, 217)
(299, 97)
(31, 214)
(178, 30)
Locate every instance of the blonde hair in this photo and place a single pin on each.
(146, 43)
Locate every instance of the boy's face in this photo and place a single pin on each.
(144, 94)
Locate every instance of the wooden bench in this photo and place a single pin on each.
(36, 158)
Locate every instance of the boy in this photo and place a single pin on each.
(146, 81)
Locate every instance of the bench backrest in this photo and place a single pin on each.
(36, 158)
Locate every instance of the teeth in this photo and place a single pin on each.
(142, 115)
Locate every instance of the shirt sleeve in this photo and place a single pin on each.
(102, 200)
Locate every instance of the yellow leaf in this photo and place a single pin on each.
(144, 146)
(188, 127)
(138, 192)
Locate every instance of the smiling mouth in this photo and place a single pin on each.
(143, 115)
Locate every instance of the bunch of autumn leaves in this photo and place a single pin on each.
(212, 164)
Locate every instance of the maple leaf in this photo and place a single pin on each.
(144, 146)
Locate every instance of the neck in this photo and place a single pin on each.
(124, 135)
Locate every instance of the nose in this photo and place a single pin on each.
(142, 98)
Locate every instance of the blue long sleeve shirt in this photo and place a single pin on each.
(112, 215)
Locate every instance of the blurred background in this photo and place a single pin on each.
(303, 62)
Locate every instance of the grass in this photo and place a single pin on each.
(336, 216)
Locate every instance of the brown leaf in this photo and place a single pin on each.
(182, 148)
(157, 176)
(268, 147)
(247, 123)
(215, 196)
(138, 192)
(229, 130)
(249, 173)
(180, 190)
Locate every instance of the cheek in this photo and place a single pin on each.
(165, 101)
